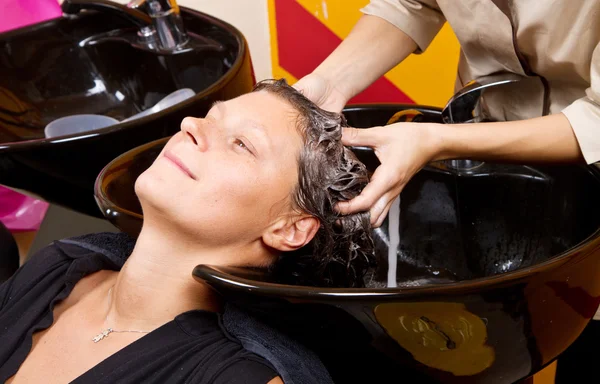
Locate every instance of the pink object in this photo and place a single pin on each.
(19, 13)
(19, 212)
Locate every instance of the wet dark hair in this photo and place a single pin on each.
(328, 172)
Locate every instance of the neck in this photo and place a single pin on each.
(156, 284)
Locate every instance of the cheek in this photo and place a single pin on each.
(232, 184)
(247, 192)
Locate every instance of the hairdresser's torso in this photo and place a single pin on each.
(554, 39)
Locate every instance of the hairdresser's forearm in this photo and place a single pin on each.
(543, 139)
(372, 48)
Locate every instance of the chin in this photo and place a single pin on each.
(152, 191)
(160, 200)
(145, 183)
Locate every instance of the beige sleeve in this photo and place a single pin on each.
(419, 19)
(584, 114)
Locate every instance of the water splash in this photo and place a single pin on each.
(394, 236)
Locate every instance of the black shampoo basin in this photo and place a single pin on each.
(52, 69)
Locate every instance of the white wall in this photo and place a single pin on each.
(250, 17)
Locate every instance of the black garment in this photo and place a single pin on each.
(192, 348)
(9, 254)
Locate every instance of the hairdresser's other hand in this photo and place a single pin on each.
(322, 92)
(402, 149)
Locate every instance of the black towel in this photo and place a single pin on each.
(295, 363)
(115, 246)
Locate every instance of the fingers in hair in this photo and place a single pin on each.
(359, 137)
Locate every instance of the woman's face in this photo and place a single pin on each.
(225, 179)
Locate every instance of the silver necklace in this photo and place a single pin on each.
(104, 334)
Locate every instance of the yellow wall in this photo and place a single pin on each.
(427, 78)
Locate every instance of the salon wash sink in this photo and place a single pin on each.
(498, 272)
(92, 62)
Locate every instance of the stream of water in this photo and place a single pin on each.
(394, 236)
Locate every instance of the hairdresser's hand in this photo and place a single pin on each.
(403, 149)
(321, 92)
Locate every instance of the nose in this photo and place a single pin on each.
(195, 132)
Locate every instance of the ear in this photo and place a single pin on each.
(291, 233)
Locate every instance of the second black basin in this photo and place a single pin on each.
(498, 272)
(50, 70)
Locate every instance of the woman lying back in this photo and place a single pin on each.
(256, 179)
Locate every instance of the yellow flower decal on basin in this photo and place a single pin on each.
(440, 335)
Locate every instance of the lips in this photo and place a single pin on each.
(175, 160)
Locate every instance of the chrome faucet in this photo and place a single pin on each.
(465, 107)
(159, 21)
(166, 20)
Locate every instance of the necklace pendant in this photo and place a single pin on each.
(102, 335)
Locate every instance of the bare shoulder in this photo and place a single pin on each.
(276, 380)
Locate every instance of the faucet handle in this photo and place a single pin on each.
(155, 8)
